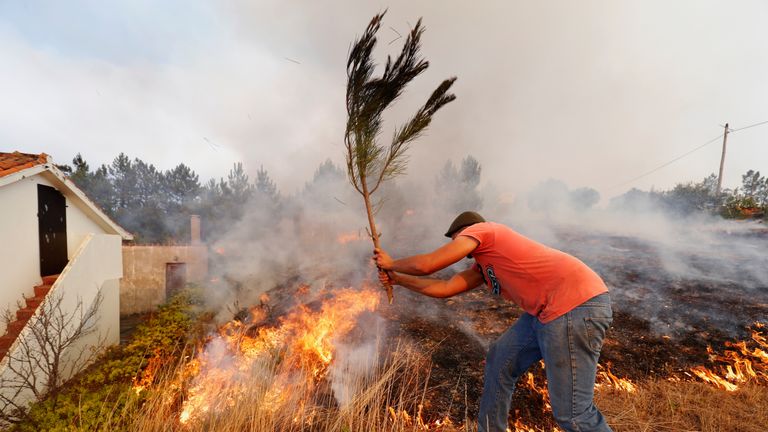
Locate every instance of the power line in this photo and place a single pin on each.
(717, 138)
(750, 126)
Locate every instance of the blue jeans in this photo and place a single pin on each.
(570, 346)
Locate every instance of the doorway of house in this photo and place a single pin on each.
(175, 278)
(52, 230)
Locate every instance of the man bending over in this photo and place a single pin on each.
(567, 311)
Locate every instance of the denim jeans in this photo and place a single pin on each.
(570, 346)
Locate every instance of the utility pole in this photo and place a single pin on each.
(722, 161)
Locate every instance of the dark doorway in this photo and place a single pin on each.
(175, 278)
(52, 230)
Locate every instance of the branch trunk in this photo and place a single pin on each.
(374, 233)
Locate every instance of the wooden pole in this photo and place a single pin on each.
(722, 161)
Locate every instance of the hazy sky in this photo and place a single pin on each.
(593, 93)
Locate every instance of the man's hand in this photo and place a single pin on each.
(387, 278)
(382, 259)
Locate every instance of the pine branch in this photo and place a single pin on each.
(369, 164)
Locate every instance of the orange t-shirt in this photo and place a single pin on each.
(545, 282)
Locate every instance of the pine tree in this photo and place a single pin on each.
(264, 184)
(368, 163)
(81, 172)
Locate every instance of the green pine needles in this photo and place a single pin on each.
(369, 163)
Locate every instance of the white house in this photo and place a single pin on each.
(54, 244)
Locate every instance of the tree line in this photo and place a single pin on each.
(750, 200)
(155, 205)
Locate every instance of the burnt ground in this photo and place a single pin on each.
(665, 317)
(671, 300)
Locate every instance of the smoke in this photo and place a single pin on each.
(683, 273)
(582, 92)
(357, 360)
(680, 273)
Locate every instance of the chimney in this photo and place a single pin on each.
(194, 225)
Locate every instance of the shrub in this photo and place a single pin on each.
(98, 397)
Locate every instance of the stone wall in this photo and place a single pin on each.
(144, 273)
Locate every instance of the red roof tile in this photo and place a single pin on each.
(13, 162)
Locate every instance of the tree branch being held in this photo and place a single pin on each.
(369, 163)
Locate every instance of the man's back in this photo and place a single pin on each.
(544, 281)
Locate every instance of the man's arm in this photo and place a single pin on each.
(459, 283)
(424, 264)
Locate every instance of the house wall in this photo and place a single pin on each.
(142, 287)
(94, 267)
(19, 251)
(19, 246)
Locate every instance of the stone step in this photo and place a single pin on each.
(14, 328)
(24, 314)
(42, 290)
(49, 280)
(34, 302)
(6, 341)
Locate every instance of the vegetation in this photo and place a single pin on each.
(99, 397)
(660, 405)
(750, 200)
(155, 205)
(456, 188)
(368, 163)
(48, 352)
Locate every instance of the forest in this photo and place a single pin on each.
(155, 205)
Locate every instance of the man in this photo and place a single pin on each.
(567, 311)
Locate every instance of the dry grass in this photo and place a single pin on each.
(685, 406)
(399, 383)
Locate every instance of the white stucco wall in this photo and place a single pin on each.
(19, 250)
(96, 266)
(19, 247)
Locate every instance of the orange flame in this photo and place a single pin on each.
(606, 378)
(147, 376)
(349, 237)
(402, 418)
(539, 389)
(299, 349)
(734, 367)
(708, 376)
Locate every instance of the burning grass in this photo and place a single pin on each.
(314, 367)
(288, 375)
(381, 401)
(291, 374)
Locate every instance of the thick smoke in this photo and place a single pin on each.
(681, 273)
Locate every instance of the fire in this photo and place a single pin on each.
(416, 422)
(288, 359)
(519, 426)
(538, 389)
(708, 376)
(147, 376)
(740, 365)
(605, 377)
(349, 237)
